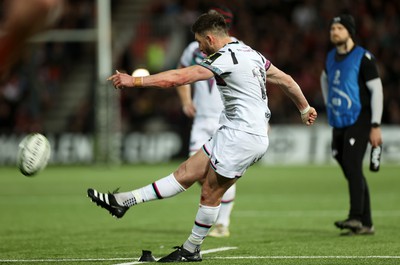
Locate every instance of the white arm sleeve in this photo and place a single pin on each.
(324, 86)
(375, 87)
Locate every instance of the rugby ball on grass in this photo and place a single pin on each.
(33, 155)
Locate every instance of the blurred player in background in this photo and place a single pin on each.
(241, 74)
(205, 108)
(22, 19)
(353, 95)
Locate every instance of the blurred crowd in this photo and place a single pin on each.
(293, 34)
(32, 87)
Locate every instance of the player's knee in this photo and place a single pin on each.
(185, 176)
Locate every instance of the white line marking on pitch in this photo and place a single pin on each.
(64, 260)
(204, 252)
(130, 263)
(308, 257)
(217, 250)
(213, 250)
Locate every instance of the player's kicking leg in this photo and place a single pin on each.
(107, 201)
(187, 173)
(118, 203)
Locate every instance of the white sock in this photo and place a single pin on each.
(226, 206)
(160, 189)
(205, 218)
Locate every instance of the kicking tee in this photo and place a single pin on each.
(240, 74)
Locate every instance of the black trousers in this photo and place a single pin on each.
(348, 148)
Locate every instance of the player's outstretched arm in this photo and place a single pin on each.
(167, 79)
(293, 91)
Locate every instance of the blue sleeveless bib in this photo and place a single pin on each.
(344, 104)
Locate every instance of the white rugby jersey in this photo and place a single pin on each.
(206, 97)
(240, 74)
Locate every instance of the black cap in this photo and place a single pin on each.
(347, 21)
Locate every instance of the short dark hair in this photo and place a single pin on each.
(225, 12)
(214, 22)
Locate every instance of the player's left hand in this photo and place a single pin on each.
(121, 80)
(375, 137)
(309, 117)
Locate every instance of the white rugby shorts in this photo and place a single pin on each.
(202, 130)
(231, 151)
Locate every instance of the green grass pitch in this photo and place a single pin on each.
(282, 215)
